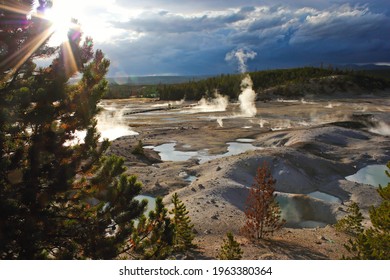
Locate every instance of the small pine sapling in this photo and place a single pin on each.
(183, 235)
(230, 249)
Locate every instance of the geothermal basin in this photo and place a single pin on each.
(312, 146)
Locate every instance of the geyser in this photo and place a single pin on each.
(247, 98)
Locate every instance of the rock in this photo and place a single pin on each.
(267, 256)
(215, 217)
(321, 237)
(193, 189)
(207, 231)
(219, 168)
(200, 186)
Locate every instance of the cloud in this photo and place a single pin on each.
(178, 39)
(347, 23)
(166, 22)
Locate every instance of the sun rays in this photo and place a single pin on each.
(51, 25)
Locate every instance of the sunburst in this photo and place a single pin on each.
(60, 15)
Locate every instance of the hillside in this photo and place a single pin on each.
(296, 82)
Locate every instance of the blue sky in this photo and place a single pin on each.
(162, 37)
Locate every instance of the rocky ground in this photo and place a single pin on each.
(309, 146)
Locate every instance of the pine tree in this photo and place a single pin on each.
(183, 235)
(374, 243)
(60, 197)
(153, 237)
(352, 223)
(230, 249)
(262, 212)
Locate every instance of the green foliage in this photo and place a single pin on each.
(138, 149)
(59, 198)
(230, 249)
(352, 223)
(183, 235)
(285, 82)
(374, 242)
(263, 215)
(153, 237)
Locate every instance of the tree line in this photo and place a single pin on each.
(284, 82)
(287, 82)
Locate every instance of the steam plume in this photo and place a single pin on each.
(217, 104)
(242, 57)
(247, 97)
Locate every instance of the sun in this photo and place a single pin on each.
(60, 15)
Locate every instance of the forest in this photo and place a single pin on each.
(294, 82)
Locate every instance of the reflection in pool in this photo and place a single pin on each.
(168, 152)
(325, 197)
(301, 211)
(372, 175)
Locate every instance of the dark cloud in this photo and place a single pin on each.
(166, 22)
(195, 39)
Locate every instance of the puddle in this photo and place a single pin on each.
(190, 179)
(299, 211)
(245, 140)
(372, 175)
(187, 177)
(168, 152)
(325, 197)
(151, 202)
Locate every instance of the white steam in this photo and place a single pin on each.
(262, 123)
(170, 103)
(247, 98)
(217, 104)
(241, 56)
(329, 106)
(220, 121)
(381, 128)
(110, 124)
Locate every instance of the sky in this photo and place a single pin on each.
(182, 37)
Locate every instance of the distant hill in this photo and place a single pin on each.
(153, 80)
(380, 71)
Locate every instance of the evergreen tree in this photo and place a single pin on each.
(153, 237)
(138, 149)
(374, 242)
(262, 210)
(60, 197)
(352, 223)
(183, 235)
(230, 249)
